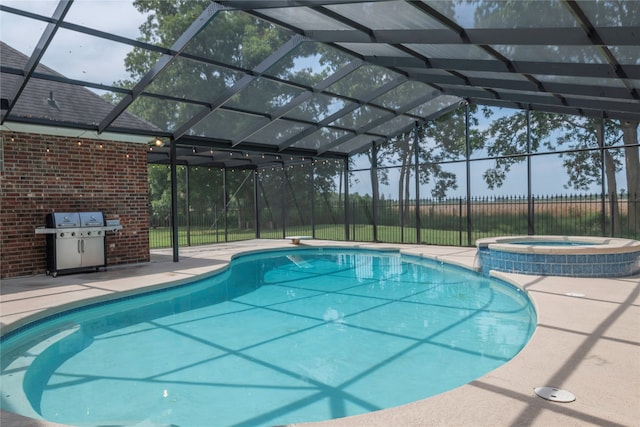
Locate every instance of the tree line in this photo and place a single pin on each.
(587, 146)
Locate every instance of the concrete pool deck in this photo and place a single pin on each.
(587, 340)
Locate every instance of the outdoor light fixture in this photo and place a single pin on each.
(158, 142)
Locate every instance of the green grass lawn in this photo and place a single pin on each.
(161, 237)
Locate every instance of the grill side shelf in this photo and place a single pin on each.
(44, 230)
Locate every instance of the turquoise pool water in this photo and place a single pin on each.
(552, 243)
(279, 337)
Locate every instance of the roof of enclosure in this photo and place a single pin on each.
(333, 77)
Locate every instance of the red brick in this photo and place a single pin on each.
(70, 178)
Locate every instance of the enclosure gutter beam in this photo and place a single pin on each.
(416, 149)
(374, 183)
(174, 199)
(530, 214)
(468, 164)
(346, 198)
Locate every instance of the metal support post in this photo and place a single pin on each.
(374, 202)
(603, 190)
(530, 212)
(346, 199)
(225, 204)
(256, 201)
(174, 200)
(283, 204)
(312, 186)
(416, 150)
(468, 163)
(187, 215)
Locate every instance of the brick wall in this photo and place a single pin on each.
(44, 173)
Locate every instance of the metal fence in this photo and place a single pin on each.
(454, 221)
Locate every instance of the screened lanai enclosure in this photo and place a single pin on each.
(403, 194)
(415, 121)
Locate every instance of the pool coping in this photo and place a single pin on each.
(587, 340)
(596, 245)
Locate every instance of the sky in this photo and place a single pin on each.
(548, 174)
(83, 57)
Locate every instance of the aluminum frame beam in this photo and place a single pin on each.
(449, 75)
(319, 87)
(178, 46)
(344, 111)
(567, 36)
(371, 125)
(267, 63)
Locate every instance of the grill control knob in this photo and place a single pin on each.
(88, 233)
(99, 233)
(73, 234)
(61, 234)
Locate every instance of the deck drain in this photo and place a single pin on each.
(574, 294)
(555, 394)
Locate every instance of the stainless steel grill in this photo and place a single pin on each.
(76, 241)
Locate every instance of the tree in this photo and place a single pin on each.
(240, 40)
(439, 141)
(506, 136)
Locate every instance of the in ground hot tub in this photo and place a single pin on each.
(574, 256)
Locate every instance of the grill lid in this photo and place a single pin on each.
(75, 219)
(63, 219)
(91, 219)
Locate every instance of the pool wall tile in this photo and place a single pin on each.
(579, 265)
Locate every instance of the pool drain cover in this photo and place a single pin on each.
(555, 394)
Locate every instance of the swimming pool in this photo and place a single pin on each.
(280, 337)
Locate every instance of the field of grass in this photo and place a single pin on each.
(161, 237)
(442, 224)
